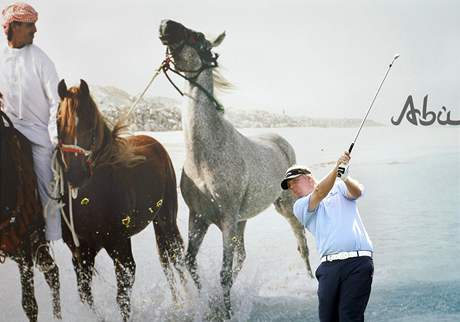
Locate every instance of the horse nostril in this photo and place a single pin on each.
(163, 39)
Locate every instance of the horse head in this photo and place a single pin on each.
(190, 50)
(77, 131)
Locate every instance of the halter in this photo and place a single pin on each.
(78, 150)
(71, 148)
(197, 41)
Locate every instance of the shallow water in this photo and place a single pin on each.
(411, 211)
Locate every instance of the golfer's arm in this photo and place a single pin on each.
(354, 188)
(322, 189)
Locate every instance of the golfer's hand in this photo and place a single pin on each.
(344, 159)
(342, 166)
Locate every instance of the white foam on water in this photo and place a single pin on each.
(273, 284)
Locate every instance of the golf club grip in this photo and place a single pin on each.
(351, 147)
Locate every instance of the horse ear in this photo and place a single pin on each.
(218, 40)
(62, 89)
(84, 89)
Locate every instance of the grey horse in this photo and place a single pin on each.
(227, 177)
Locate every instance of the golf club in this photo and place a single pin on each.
(343, 168)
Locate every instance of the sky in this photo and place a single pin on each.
(307, 58)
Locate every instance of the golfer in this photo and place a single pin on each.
(328, 209)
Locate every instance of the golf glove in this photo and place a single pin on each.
(342, 172)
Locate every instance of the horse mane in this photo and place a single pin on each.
(115, 149)
(220, 82)
(110, 146)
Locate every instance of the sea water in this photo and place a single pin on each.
(411, 209)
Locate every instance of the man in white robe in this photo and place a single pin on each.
(28, 82)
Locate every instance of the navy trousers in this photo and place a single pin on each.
(344, 287)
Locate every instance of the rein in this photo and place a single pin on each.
(58, 193)
(166, 66)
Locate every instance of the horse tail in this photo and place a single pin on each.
(169, 240)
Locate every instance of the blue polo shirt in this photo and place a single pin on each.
(335, 223)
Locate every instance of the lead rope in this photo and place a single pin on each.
(73, 193)
(58, 191)
(165, 67)
(157, 72)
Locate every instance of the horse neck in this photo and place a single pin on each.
(201, 121)
(104, 136)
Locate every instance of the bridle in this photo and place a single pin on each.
(197, 41)
(88, 155)
(208, 59)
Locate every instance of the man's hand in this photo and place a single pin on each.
(342, 172)
(344, 158)
(325, 185)
(342, 166)
(354, 187)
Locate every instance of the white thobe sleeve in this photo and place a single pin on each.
(50, 82)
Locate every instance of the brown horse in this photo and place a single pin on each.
(21, 217)
(123, 184)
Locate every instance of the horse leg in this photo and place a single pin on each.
(197, 228)
(125, 271)
(240, 254)
(166, 229)
(229, 232)
(26, 271)
(84, 267)
(52, 279)
(176, 256)
(162, 244)
(284, 206)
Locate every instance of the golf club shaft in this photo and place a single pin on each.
(372, 103)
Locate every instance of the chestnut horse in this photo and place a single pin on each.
(118, 186)
(21, 217)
